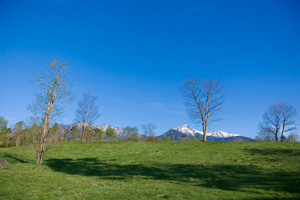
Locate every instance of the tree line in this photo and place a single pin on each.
(204, 101)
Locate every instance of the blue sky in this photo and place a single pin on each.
(134, 55)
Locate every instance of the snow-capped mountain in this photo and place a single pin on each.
(187, 131)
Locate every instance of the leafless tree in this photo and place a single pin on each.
(48, 104)
(277, 120)
(87, 112)
(204, 101)
(288, 119)
(148, 129)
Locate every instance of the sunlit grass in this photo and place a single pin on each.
(153, 170)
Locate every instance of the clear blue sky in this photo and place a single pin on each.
(134, 55)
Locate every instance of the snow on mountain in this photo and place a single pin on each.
(189, 131)
(221, 134)
(186, 129)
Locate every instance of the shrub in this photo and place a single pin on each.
(152, 139)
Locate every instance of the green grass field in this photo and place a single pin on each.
(153, 170)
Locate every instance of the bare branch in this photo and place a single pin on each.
(204, 101)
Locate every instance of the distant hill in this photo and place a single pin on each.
(178, 133)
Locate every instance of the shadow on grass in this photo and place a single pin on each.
(12, 158)
(225, 177)
(275, 152)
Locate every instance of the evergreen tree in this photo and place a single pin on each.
(135, 137)
(166, 139)
(99, 135)
(4, 140)
(75, 132)
(110, 134)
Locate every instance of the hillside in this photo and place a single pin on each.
(153, 170)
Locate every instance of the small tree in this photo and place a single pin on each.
(110, 134)
(135, 137)
(33, 133)
(4, 141)
(99, 135)
(131, 132)
(75, 132)
(87, 112)
(52, 134)
(173, 138)
(148, 129)
(292, 137)
(165, 139)
(48, 105)
(204, 101)
(194, 139)
(18, 131)
(152, 139)
(277, 120)
(66, 134)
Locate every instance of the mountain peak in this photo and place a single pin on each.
(186, 131)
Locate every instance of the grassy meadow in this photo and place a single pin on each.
(153, 170)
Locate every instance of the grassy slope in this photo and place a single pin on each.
(150, 170)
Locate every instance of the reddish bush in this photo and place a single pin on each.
(152, 139)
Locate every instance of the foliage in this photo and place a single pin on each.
(194, 139)
(166, 139)
(110, 134)
(292, 137)
(152, 139)
(4, 141)
(154, 170)
(75, 132)
(131, 133)
(135, 137)
(18, 131)
(99, 135)
(129, 129)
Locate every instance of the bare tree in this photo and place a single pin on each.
(148, 129)
(277, 120)
(204, 101)
(288, 119)
(48, 104)
(87, 112)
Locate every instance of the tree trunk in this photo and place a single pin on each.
(204, 131)
(44, 133)
(17, 141)
(283, 129)
(82, 133)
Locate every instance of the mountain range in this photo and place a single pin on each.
(178, 133)
(185, 131)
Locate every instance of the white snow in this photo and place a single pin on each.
(186, 129)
